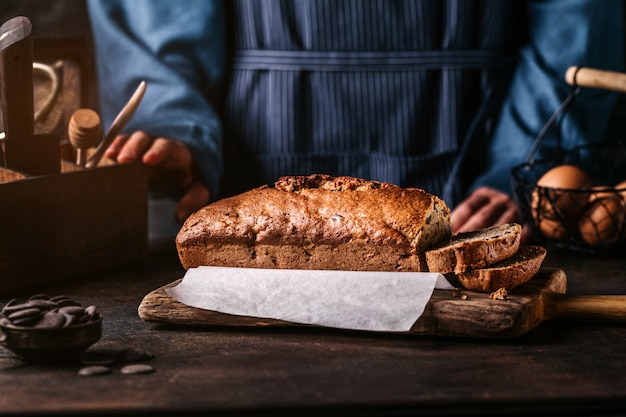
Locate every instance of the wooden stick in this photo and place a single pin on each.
(595, 78)
(118, 124)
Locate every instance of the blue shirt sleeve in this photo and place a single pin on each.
(180, 57)
(562, 33)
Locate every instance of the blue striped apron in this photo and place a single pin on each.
(379, 89)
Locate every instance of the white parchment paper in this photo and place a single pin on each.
(376, 301)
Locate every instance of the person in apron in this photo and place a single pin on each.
(443, 95)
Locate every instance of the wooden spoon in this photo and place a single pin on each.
(118, 124)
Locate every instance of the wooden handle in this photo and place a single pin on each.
(118, 124)
(595, 78)
(590, 307)
(16, 83)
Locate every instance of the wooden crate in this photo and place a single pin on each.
(67, 225)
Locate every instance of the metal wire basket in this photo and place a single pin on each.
(590, 219)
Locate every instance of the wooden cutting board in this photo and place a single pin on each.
(457, 313)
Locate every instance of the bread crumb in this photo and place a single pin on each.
(457, 293)
(499, 294)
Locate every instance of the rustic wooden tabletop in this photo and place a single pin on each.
(560, 368)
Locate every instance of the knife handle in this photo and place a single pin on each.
(610, 308)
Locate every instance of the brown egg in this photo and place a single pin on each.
(559, 202)
(603, 221)
(565, 178)
(600, 191)
(553, 229)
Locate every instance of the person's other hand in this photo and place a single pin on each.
(485, 207)
(170, 161)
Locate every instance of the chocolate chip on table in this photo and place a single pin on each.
(94, 370)
(137, 369)
(126, 358)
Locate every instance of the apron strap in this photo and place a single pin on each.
(254, 59)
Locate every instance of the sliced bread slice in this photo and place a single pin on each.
(509, 273)
(476, 249)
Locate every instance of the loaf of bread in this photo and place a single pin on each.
(346, 223)
(508, 274)
(476, 249)
(317, 222)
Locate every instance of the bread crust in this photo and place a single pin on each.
(317, 222)
(476, 249)
(508, 274)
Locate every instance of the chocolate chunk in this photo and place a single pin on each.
(32, 312)
(94, 370)
(42, 304)
(136, 369)
(74, 310)
(8, 304)
(51, 320)
(64, 300)
(13, 306)
(25, 321)
(24, 313)
(69, 319)
(58, 298)
(90, 310)
(39, 297)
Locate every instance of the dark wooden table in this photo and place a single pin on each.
(560, 368)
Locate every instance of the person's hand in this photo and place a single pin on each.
(485, 207)
(169, 161)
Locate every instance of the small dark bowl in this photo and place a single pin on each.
(51, 346)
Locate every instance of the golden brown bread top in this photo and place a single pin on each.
(326, 182)
(320, 209)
